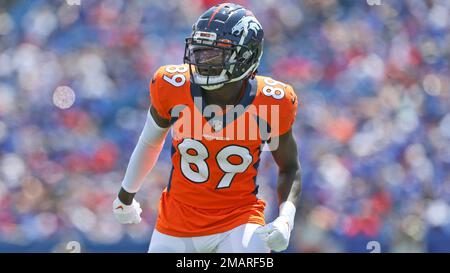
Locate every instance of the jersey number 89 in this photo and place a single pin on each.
(193, 152)
(178, 79)
(271, 89)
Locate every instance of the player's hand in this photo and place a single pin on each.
(127, 214)
(276, 234)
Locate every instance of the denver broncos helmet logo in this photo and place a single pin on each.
(246, 23)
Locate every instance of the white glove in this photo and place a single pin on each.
(127, 214)
(277, 234)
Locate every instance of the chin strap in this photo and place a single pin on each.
(212, 87)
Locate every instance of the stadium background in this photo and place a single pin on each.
(373, 126)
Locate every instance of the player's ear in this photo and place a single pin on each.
(160, 121)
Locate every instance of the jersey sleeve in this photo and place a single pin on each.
(158, 98)
(287, 111)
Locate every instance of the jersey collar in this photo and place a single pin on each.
(246, 100)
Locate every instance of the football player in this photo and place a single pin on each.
(210, 203)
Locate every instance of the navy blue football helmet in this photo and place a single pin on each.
(226, 45)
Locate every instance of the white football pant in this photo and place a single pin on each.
(241, 239)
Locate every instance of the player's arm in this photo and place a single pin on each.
(132, 183)
(289, 185)
(126, 209)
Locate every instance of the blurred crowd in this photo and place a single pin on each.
(373, 126)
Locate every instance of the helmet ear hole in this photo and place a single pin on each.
(247, 54)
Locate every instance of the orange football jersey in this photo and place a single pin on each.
(216, 152)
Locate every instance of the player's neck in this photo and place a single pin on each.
(229, 94)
